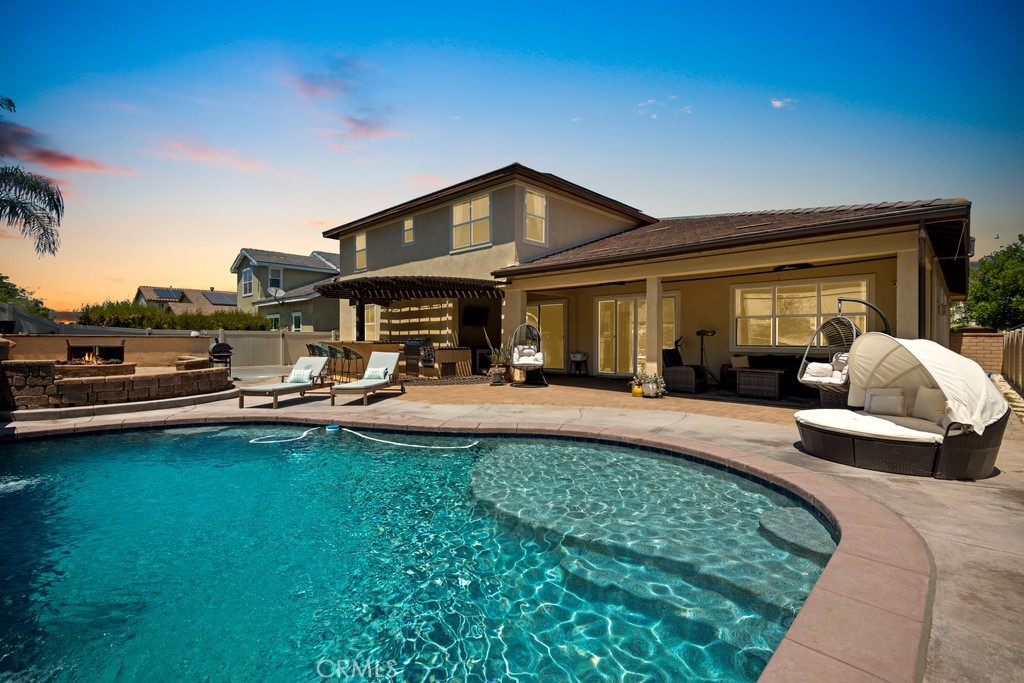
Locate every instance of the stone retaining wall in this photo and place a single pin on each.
(33, 384)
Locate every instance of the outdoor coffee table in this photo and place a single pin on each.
(759, 383)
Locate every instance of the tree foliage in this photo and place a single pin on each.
(11, 293)
(995, 298)
(140, 316)
(31, 202)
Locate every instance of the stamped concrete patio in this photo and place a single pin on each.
(884, 592)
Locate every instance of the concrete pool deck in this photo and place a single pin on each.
(920, 560)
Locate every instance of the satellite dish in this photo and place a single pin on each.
(275, 292)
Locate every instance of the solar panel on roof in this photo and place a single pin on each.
(164, 293)
(220, 298)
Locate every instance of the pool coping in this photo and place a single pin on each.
(867, 618)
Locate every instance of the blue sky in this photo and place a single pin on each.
(181, 134)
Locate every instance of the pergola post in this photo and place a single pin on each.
(360, 320)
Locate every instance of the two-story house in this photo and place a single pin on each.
(603, 278)
(423, 268)
(281, 287)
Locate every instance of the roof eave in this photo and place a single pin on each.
(746, 240)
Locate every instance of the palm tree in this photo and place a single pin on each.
(32, 202)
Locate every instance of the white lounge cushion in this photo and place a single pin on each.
(276, 388)
(885, 401)
(862, 424)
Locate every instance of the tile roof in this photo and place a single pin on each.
(187, 299)
(319, 260)
(515, 171)
(680, 235)
(298, 294)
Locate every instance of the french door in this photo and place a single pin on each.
(549, 318)
(622, 332)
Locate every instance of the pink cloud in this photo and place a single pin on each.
(24, 143)
(367, 129)
(182, 150)
(317, 224)
(341, 77)
(425, 180)
(782, 103)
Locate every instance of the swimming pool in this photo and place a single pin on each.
(192, 554)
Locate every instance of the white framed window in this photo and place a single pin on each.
(275, 321)
(408, 232)
(785, 314)
(296, 321)
(275, 278)
(247, 282)
(471, 223)
(536, 217)
(361, 251)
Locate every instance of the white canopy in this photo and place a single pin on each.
(878, 360)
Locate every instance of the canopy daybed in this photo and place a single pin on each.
(926, 411)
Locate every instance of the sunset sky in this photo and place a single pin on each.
(181, 133)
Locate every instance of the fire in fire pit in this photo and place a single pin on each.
(95, 354)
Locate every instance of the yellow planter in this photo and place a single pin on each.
(638, 390)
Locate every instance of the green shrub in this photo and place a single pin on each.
(139, 316)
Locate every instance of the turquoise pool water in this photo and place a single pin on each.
(193, 554)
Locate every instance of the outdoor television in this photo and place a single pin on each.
(475, 316)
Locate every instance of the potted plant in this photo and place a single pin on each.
(497, 373)
(651, 385)
(501, 358)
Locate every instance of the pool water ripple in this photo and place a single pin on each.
(174, 555)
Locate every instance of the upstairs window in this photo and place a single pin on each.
(471, 223)
(275, 321)
(536, 217)
(275, 278)
(247, 282)
(361, 251)
(297, 321)
(408, 236)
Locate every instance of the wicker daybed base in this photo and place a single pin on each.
(960, 456)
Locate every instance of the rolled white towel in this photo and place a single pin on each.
(819, 370)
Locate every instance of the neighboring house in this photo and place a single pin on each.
(184, 300)
(596, 275)
(296, 306)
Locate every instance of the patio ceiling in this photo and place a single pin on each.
(383, 290)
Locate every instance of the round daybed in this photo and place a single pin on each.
(924, 410)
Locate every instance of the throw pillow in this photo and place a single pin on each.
(527, 353)
(930, 404)
(741, 361)
(839, 361)
(375, 373)
(879, 401)
(300, 376)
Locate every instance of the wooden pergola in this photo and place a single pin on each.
(383, 290)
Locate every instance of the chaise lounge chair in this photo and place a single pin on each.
(306, 373)
(381, 373)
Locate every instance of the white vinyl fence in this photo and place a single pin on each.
(277, 347)
(1013, 358)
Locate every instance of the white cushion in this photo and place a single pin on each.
(930, 404)
(819, 370)
(840, 361)
(375, 373)
(527, 352)
(861, 424)
(885, 407)
(300, 376)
